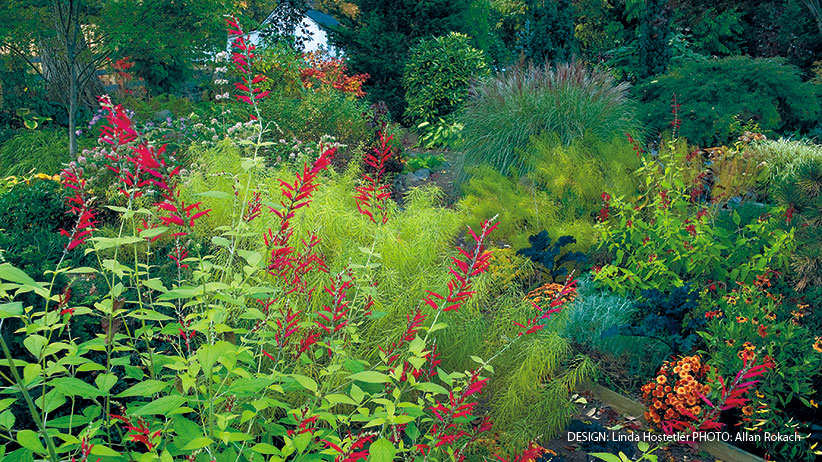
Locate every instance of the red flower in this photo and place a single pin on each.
(79, 205)
(372, 197)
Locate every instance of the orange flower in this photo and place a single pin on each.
(661, 379)
(741, 319)
(748, 410)
(817, 345)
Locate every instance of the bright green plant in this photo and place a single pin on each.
(666, 238)
(441, 134)
(41, 151)
(427, 161)
(716, 91)
(438, 74)
(570, 101)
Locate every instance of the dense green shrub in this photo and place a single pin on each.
(715, 93)
(438, 75)
(377, 39)
(43, 151)
(654, 37)
(31, 217)
(313, 114)
(667, 237)
(547, 34)
(569, 101)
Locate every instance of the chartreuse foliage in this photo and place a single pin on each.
(668, 238)
(569, 101)
(561, 194)
(300, 329)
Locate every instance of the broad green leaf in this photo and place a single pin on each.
(198, 443)
(382, 451)
(101, 450)
(153, 232)
(71, 386)
(35, 344)
(51, 400)
(370, 377)
(144, 389)
(29, 440)
(105, 381)
(736, 218)
(431, 388)
(162, 405)
(11, 309)
(340, 399)
(606, 457)
(216, 194)
(265, 448)
(307, 382)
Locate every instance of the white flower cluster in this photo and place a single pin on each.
(218, 97)
(221, 82)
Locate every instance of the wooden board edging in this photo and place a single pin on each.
(719, 449)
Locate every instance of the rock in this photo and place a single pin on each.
(162, 115)
(422, 174)
(445, 165)
(411, 180)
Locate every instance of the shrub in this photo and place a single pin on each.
(713, 93)
(668, 237)
(569, 101)
(547, 34)
(41, 151)
(438, 75)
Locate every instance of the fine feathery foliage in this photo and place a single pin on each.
(716, 93)
(570, 101)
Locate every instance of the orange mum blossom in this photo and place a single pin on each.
(731, 396)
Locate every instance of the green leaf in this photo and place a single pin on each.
(370, 377)
(221, 241)
(29, 440)
(153, 232)
(35, 344)
(431, 388)
(144, 389)
(12, 309)
(71, 386)
(606, 457)
(53, 400)
(198, 443)
(736, 218)
(105, 451)
(162, 405)
(105, 381)
(307, 382)
(265, 448)
(340, 399)
(382, 451)
(215, 194)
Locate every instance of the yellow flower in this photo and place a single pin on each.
(817, 345)
(732, 299)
